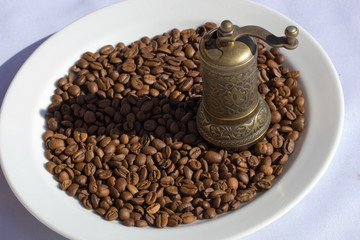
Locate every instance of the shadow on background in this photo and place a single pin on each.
(15, 221)
(9, 69)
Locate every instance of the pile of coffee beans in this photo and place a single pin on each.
(122, 134)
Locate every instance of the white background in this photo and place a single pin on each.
(330, 211)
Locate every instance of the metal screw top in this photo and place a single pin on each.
(226, 28)
(291, 33)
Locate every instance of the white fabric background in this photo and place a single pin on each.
(330, 211)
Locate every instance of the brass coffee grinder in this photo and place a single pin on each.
(232, 114)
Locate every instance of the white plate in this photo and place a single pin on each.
(22, 121)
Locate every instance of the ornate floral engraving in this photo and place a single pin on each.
(230, 96)
(234, 136)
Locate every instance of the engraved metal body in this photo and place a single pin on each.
(232, 114)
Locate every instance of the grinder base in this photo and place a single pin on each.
(234, 137)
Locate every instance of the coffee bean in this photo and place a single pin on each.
(166, 181)
(288, 146)
(50, 166)
(122, 133)
(158, 144)
(246, 195)
(150, 125)
(266, 169)
(129, 67)
(89, 56)
(149, 150)
(66, 184)
(188, 219)
(275, 117)
(129, 222)
(233, 183)
(124, 214)
(89, 117)
(228, 197)
(210, 213)
(210, 25)
(189, 51)
(272, 64)
(141, 223)
(153, 208)
(74, 90)
(213, 157)
(96, 66)
(171, 190)
(56, 143)
(72, 189)
(161, 220)
(63, 176)
(264, 184)
(298, 124)
(151, 198)
(136, 83)
(277, 141)
(195, 152)
(243, 177)
(188, 189)
(174, 221)
(103, 190)
(112, 214)
(293, 74)
(253, 161)
(294, 135)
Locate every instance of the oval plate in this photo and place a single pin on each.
(22, 117)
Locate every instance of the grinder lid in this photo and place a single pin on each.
(220, 49)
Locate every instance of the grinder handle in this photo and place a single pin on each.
(228, 32)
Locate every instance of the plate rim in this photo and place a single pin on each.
(10, 91)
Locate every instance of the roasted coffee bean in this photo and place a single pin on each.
(171, 190)
(189, 189)
(50, 166)
(149, 150)
(161, 220)
(122, 133)
(233, 183)
(129, 222)
(153, 208)
(151, 198)
(103, 191)
(189, 51)
(210, 213)
(124, 214)
(213, 157)
(264, 183)
(195, 152)
(141, 223)
(112, 214)
(63, 176)
(294, 135)
(174, 221)
(56, 143)
(298, 124)
(166, 181)
(277, 141)
(72, 189)
(266, 169)
(246, 195)
(188, 218)
(66, 184)
(288, 146)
